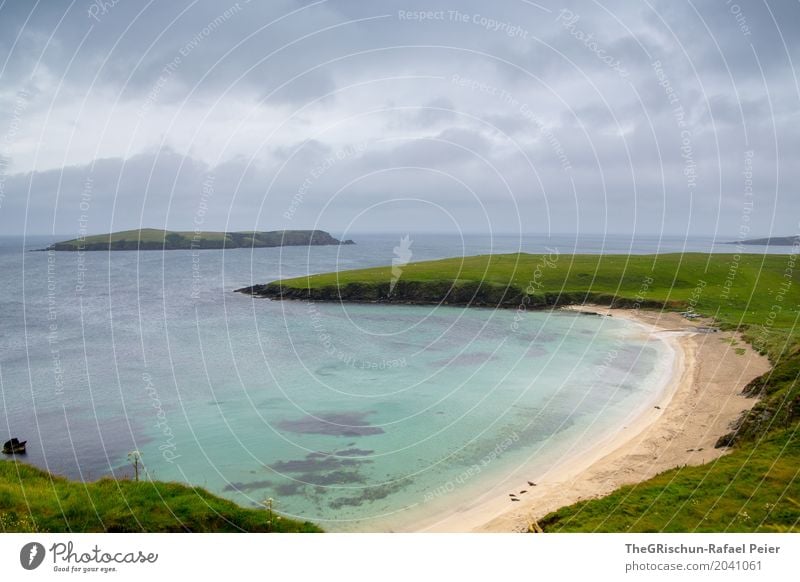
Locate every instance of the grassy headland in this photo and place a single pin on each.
(32, 500)
(153, 239)
(738, 291)
(757, 486)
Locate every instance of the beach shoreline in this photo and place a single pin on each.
(699, 402)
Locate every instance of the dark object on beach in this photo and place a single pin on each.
(657, 407)
(523, 491)
(706, 329)
(14, 447)
(512, 494)
(531, 483)
(515, 499)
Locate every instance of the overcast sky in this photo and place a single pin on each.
(509, 116)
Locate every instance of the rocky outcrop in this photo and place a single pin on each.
(466, 293)
(778, 406)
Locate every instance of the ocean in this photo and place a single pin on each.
(357, 417)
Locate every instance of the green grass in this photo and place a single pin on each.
(753, 489)
(148, 235)
(757, 486)
(32, 500)
(743, 301)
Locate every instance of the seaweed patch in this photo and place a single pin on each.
(333, 424)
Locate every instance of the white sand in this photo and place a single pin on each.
(698, 404)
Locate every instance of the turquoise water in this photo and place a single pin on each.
(354, 416)
(340, 424)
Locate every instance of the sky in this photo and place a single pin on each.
(652, 117)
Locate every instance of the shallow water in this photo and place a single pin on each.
(343, 414)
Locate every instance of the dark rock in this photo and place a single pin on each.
(725, 441)
(14, 447)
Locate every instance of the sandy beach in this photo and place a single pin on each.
(699, 403)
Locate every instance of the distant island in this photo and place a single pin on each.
(153, 239)
(772, 241)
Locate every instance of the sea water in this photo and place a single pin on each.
(354, 416)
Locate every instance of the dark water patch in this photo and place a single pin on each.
(369, 494)
(328, 370)
(320, 469)
(398, 317)
(540, 426)
(313, 465)
(290, 489)
(348, 452)
(527, 427)
(538, 338)
(355, 452)
(270, 401)
(246, 487)
(332, 424)
(400, 347)
(332, 478)
(535, 351)
(473, 359)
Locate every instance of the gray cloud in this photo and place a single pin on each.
(549, 117)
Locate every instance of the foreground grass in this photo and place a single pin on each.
(32, 500)
(757, 486)
(753, 489)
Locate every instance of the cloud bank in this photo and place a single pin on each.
(653, 117)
